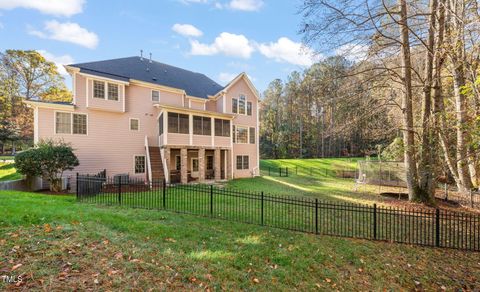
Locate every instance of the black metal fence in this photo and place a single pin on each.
(428, 227)
(286, 171)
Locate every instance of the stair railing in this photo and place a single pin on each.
(149, 166)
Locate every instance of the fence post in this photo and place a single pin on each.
(211, 200)
(76, 186)
(280, 171)
(437, 227)
(164, 193)
(119, 190)
(374, 221)
(316, 216)
(262, 210)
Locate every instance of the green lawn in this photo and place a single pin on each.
(55, 243)
(315, 178)
(6, 157)
(8, 172)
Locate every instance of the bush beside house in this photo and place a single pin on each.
(49, 159)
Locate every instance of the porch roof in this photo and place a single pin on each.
(176, 109)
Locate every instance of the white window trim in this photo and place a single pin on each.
(71, 123)
(248, 134)
(130, 124)
(105, 90)
(145, 166)
(242, 155)
(118, 91)
(238, 105)
(151, 95)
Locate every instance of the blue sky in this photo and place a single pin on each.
(219, 38)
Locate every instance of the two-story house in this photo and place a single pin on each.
(151, 120)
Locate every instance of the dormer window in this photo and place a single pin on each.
(155, 96)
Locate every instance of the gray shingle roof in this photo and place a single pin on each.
(194, 84)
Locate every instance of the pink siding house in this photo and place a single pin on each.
(150, 120)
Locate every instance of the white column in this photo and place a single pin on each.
(190, 128)
(212, 126)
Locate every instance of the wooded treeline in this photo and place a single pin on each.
(323, 112)
(417, 59)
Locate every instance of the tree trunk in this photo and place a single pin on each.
(458, 71)
(438, 105)
(407, 106)
(426, 163)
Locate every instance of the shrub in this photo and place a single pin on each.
(48, 159)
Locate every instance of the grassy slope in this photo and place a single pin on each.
(63, 244)
(8, 172)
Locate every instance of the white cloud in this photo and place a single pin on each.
(353, 52)
(67, 32)
(286, 50)
(53, 7)
(187, 30)
(58, 60)
(246, 5)
(229, 44)
(226, 77)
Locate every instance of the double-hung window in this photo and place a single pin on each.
(241, 104)
(155, 96)
(202, 125)
(242, 162)
(105, 90)
(252, 135)
(70, 123)
(242, 135)
(112, 91)
(98, 89)
(249, 108)
(134, 124)
(139, 164)
(234, 105)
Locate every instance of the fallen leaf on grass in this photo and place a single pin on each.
(16, 267)
(112, 272)
(169, 239)
(256, 281)
(328, 280)
(47, 228)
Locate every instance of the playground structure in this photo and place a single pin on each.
(381, 173)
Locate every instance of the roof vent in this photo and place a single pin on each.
(141, 55)
(150, 57)
(154, 78)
